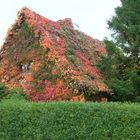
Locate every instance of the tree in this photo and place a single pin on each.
(114, 68)
(123, 62)
(126, 27)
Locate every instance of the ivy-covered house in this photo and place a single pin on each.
(52, 60)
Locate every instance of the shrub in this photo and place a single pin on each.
(16, 93)
(3, 91)
(69, 121)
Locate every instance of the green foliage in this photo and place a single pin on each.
(122, 90)
(27, 32)
(45, 73)
(70, 53)
(3, 91)
(69, 121)
(135, 81)
(126, 26)
(112, 64)
(124, 68)
(16, 94)
(121, 78)
(115, 69)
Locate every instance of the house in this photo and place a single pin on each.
(51, 60)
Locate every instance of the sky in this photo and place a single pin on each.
(90, 15)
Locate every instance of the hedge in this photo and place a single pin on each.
(20, 120)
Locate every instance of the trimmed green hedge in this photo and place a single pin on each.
(20, 120)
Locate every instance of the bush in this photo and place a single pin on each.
(3, 91)
(69, 121)
(16, 94)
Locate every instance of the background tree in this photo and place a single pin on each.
(114, 69)
(122, 66)
(126, 27)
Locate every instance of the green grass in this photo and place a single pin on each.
(20, 120)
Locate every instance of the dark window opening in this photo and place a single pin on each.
(27, 67)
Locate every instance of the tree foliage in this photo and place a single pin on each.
(122, 66)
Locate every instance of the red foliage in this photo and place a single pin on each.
(52, 92)
(87, 65)
(66, 22)
(83, 58)
(73, 55)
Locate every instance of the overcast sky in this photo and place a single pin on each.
(90, 15)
